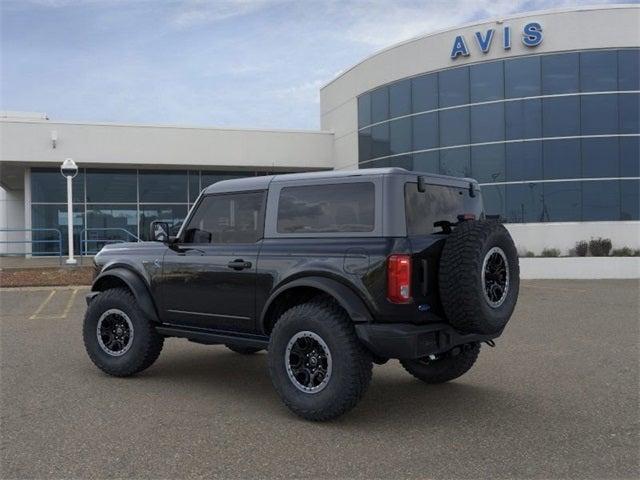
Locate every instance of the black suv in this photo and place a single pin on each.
(328, 271)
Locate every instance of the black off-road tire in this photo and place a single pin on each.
(461, 277)
(443, 369)
(145, 346)
(351, 362)
(243, 350)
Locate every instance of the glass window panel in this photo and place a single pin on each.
(174, 215)
(234, 218)
(380, 140)
(524, 203)
(599, 71)
(163, 186)
(382, 163)
(112, 186)
(379, 104)
(400, 98)
(493, 200)
(561, 116)
(453, 86)
(487, 81)
(487, 163)
(599, 114)
(524, 161)
(455, 162)
(364, 144)
(560, 73)
(54, 217)
(400, 135)
(344, 207)
(487, 123)
(629, 113)
(523, 119)
(425, 131)
(427, 162)
(424, 93)
(109, 224)
(600, 201)
(630, 200)
(454, 127)
(49, 186)
(561, 159)
(364, 110)
(208, 177)
(194, 185)
(629, 69)
(600, 157)
(562, 202)
(522, 77)
(630, 156)
(401, 161)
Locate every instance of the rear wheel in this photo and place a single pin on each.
(317, 364)
(445, 367)
(243, 350)
(118, 337)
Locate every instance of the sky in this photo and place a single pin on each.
(227, 63)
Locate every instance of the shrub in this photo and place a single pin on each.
(550, 252)
(623, 252)
(526, 253)
(636, 252)
(600, 247)
(581, 248)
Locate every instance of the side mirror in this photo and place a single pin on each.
(159, 231)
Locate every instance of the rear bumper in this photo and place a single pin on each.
(404, 340)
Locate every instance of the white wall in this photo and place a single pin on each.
(581, 268)
(29, 142)
(535, 237)
(576, 29)
(11, 217)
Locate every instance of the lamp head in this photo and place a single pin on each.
(69, 169)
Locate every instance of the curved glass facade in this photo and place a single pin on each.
(551, 138)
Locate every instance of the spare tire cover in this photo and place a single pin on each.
(479, 277)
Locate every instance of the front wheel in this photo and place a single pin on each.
(445, 367)
(316, 363)
(118, 337)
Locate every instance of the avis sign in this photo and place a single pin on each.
(531, 37)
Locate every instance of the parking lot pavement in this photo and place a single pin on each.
(558, 397)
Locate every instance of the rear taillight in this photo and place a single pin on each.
(399, 278)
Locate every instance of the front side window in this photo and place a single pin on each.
(231, 218)
(338, 208)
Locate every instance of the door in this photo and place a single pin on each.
(209, 274)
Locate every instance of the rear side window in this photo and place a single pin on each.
(232, 218)
(336, 208)
(436, 204)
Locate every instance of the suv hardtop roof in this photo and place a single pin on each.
(263, 182)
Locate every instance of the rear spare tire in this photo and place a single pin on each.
(479, 277)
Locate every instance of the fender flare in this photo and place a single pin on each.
(137, 286)
(345, 296)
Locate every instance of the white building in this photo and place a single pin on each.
(542, 108)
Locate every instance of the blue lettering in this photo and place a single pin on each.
(532, 35)
(459, 48)
(506, 38)
(485, 43)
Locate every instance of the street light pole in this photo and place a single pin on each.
(69, 170)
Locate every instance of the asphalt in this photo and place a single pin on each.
(557, 398)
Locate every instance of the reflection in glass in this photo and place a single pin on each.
(560, 73)
(487, 123)
(524, 203)
(364, 144)
(454, 127)
(629, 69)
(600, 200)
(523, 161)
(163, 186)
(600, 157)
(453, 87)
(630, 157)
(455, 162)
(629, 113)
(380, 140)
(112, 186)
(109, 223)
(55, 217)
(379, 104)
(424, 93)
(493, 199)
(561, 201)
(598, 71)
(425, 131)
(561, 159)
(427, 162)
(174, 215)
(630, 200)
(400, 135)
(194, 185)
(487, 81)
(488, 163)
(49, 186)
(561, 116)
(599, 114)
(400, 98)
(364, 110)
(523, 119)
(522, 77)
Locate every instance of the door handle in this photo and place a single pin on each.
(239, 264)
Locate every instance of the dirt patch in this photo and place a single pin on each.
(45, 276)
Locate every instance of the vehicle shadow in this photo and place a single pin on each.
(394, 397)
